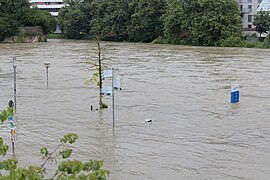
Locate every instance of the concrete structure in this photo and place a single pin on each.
(248, 10)
(53, 6)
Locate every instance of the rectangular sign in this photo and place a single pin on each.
(106, 91)
(117, 83)
(107, 73)
(235, 93)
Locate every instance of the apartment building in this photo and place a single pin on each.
(53, 6)
(248, 10)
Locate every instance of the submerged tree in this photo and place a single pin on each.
(98, 67)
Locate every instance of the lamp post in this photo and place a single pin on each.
(15, 89)
(113, 95)
(47, 65)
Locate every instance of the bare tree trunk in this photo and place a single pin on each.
(99, 71)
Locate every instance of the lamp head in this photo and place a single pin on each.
(14, 62)
(47, 64)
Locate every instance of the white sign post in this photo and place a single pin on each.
(116, 85)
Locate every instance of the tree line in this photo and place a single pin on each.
(195, 22)
(17, 13)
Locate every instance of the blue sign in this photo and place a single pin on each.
(235, 94)
(10, 119)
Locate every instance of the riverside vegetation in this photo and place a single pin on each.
(15, 14)
(189, 22)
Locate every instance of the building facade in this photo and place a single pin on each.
(248, 10)
(53, 6)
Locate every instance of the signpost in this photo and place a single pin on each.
(116, 85)
(235, 95)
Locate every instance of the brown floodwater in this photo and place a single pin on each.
(196, 133)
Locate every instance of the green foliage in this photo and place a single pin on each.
(8, 27)
(160, 40)
(67, 169)
(5, 113)
(35, 17)
(73, 21)
(262, 22)
(201, 22)
(44, 152)
(146, 24)
(110, 19)
(174, 20)
(55, 36)
(266, 42)
(16, 13)
(69, 138)
(3, 147)
(66, 153)
(76, 170)
(231, 42)
(214, 21)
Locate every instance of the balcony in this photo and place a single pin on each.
(245, 11)
(244, 1)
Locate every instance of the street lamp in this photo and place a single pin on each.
(47, 65)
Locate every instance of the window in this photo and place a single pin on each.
(259, 1)
(249, 18)
(249, 1)
(249, 26)
(250, 8)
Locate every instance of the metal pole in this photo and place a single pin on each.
(47, 65)
(14, 67)
(113, 94)
(13, 147)
(47, 77)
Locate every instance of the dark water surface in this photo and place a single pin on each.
(195, 134)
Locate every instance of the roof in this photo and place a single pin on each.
(264, 6)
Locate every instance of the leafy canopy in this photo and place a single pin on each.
(262, 22)
(67, 169)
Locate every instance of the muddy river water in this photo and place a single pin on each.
(196, 133)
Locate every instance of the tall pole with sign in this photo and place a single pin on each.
(15, 89)
(116, 84)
